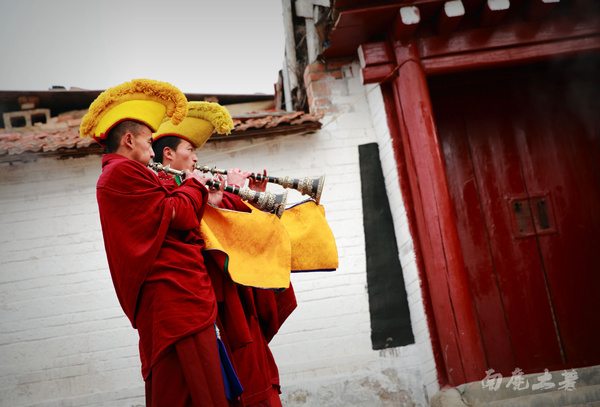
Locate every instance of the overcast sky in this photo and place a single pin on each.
(218, 46)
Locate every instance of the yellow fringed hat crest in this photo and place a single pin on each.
(201, 120)
(143, 100)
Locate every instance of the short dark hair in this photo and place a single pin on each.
(113, 139)
(159, 146)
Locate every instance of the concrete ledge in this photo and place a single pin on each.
(584, 392)
(583, 396)
(447, 398)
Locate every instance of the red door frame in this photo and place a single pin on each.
(435, 233)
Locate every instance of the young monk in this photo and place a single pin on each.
(248, 318)
(153, 246)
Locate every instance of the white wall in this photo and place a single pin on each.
(63, 338)
(65, 342)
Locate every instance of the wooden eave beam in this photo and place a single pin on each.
(527, 54)
(377, 73)
(377, 62)
(508, 35)
(375, 53)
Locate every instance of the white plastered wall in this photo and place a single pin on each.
(64, 340)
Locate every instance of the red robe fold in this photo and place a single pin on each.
(248, 318)
(155, 259)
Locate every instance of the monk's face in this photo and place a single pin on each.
(184, 157)
(142, 146)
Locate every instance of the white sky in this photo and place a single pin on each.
(218, 46)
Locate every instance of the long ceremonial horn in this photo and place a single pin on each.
(266, 201)
(306, 186)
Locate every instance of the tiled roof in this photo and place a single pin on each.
(59, 137)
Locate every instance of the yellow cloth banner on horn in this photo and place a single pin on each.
(313, 244)
(252, 247)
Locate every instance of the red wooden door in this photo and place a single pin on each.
(522, 157)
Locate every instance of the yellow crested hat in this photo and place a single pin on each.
(201, 120)
(142, 100)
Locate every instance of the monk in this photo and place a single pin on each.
(153, 246)
(248, 317)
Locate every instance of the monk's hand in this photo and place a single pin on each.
(215, 195)
(258, 186)
(201, 178)
(237, 177)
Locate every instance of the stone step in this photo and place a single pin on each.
(582, 396)
(584, 390)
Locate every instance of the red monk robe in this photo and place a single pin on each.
(155, 261)
(248, 319)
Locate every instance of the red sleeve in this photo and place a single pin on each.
(188, 201)
(135, 214)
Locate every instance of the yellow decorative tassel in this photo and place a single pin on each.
(202, 119)
(136, 90)
(214, 113)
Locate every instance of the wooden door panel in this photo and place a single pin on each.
(523, 167)
(474, 242)
(558, 158)
(516, 261)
